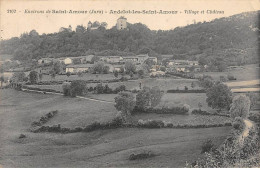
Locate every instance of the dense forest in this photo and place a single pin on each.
(233, 40)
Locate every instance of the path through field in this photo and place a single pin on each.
(81, 97)
(248, 125)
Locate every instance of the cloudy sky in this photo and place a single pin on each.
(14, 24)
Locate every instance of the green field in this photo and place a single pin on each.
(105, 148)
(243, 73)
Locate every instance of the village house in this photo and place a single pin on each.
(154, 59)
(67, 61)
(138, 59)
(117, 67)
(45, 60)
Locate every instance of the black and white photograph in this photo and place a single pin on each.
(129, 84)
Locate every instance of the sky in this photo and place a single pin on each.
(13, 24)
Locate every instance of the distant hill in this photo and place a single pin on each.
(233, 40)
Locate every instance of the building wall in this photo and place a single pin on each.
(67, 61)
(70, 70)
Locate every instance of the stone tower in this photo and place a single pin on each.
(89, 24)
(121, 23)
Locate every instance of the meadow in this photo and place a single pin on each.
(102, 148)
(242, 73)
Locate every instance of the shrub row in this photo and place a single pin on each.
(141, 155)
(41, 89)
(183, 75)
(115, 123)
(161, 124)
(164, 110)
(100, 89)
(44, 118)
(186, 91)
(202, 112)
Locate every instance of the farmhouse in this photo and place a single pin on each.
(112, 59)
(157, 73)
(78, 68)
(183, 68)
(88, 58)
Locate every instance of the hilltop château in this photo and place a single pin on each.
(121, 23)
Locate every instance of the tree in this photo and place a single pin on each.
(66, 87)
(240, 106)
(106, 69)
(99, 89)
(143, 98)
(148, 97)
(57, 67)
(33, 77)
(95, 59)
(162, 68)
(68, 74)
(40, 76)
(116, 73)
(2, 79)
(53, 74)
(155, 96)
(130, 67)
(219, 96)
(200, 105)
(193, 84)
(18, 77)
(125, 103)
(78, 88)
(98, 67)
(80, 74)
(122, 70)
(141, 73)
(253, 99)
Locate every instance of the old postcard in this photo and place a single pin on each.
(119, 84)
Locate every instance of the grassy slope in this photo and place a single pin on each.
(108, 148)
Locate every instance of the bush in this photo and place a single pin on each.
(151, 124)
(231, 77)
(238, 124)
(22, 136)
(207, 146)
(66, 88)
(141, 155)
(44, 118)
(78, 88)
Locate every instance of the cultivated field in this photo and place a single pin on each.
(106, 148)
